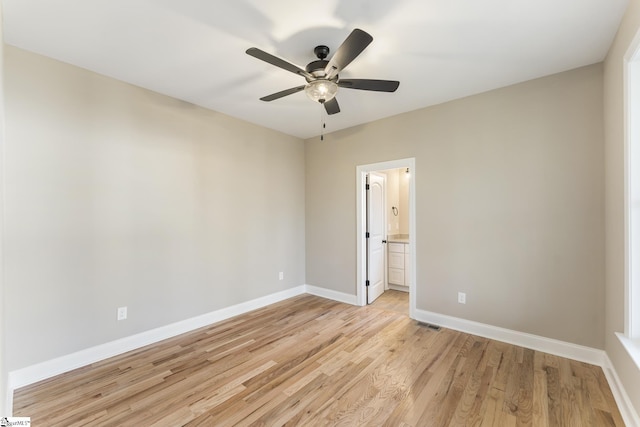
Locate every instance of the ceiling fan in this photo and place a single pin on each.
(322, 75)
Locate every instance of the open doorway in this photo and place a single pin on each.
(398, 235)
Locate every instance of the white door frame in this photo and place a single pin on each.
(361, 212)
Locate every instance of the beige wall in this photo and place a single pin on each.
(614, 160)
(509, 205)
(117, 196)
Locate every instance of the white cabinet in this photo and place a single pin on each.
(398, 257)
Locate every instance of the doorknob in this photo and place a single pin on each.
(384, 241)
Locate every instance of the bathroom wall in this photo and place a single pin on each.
(398, 196)
(393, 195)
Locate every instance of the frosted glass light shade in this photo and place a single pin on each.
(321, 90)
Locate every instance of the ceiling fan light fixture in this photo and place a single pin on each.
(321, 90)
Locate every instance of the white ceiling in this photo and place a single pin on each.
(194, 50)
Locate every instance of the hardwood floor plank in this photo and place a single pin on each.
(540, 410)
(311, 361)
(554, 397)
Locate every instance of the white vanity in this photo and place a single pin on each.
(398, 262)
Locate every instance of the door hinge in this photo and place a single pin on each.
(367, 235)
(366, 283)
(368, 187)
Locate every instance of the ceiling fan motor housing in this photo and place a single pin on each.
(317, 68)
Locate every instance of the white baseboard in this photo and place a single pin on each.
(32, 374)
(628, 412)
(331, 294)
(522, 339)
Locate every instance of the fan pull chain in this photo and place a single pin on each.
(323, 123)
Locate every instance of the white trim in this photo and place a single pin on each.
(331, 294)
(361, 212)
(631, 95)
(31, 374)
(522, 339)
(628, 412)
(633, 348)
(630, 340)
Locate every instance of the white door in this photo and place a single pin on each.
(376, 228)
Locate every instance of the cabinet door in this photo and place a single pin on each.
(396, 247)
(396, 260)
(396, 276)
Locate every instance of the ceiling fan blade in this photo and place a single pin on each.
(367, 84)
(273, 60)
(282, 93)
(353, 46)
(332, 106)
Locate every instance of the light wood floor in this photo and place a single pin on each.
(395, 301)
(311, 361)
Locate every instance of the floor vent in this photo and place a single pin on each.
(430, 326)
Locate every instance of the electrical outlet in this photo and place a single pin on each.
(462, 298)
(122, 313)
(281, 275)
